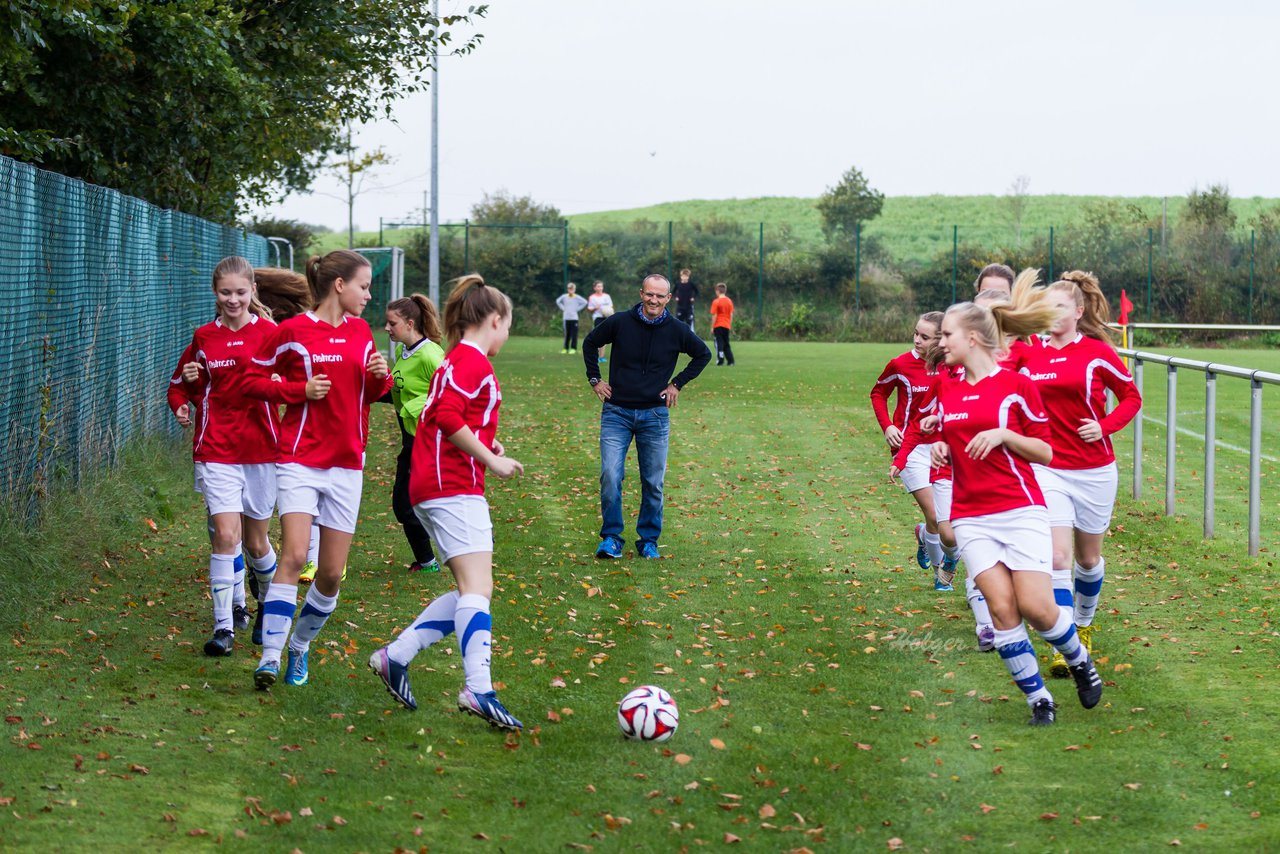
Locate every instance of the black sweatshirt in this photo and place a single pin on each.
(644, 356)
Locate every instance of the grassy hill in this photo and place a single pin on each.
(911, 227)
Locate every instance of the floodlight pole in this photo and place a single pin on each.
(433, 264)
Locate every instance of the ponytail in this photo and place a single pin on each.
(283, 293)
(470, 302)
(1087, 293)
(421, 313)
(1026, 313)
(322, 272)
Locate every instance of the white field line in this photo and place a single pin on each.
(1219, 443)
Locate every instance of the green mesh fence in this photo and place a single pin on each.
(102, 292)
(380, 290)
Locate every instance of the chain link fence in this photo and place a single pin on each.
(101, 292)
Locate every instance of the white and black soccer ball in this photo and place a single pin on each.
(648, 714)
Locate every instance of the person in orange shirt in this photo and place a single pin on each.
(721, 323)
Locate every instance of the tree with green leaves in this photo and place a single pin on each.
(504, 208)
(207, 105)
(848, 205)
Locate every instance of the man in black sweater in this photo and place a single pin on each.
(647, 342)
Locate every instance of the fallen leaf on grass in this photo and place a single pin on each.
(1133, 786)
(717, 744)
(729, 838)
(1048, 816)
(986, 808)
(683, 758)
(895, 844)
(767, 811)
(339, 821)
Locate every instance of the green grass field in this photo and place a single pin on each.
(830, 699)
(913, 228)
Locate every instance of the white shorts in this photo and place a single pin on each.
(916, 475)
(942, 500)
(332, 496)
(1019, 539)
(1079, 498)
(248, 488)
(458, 525)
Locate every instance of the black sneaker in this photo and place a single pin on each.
(1042, 713)
(222, 642)
(239, 617)
(1088, 683)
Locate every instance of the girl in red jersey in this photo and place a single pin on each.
(909, 378)
(234, 444)
(1073, 373)
(455, 444)
(993, 428)
(324, 366)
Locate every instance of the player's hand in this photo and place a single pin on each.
(670, 395)
(191, 372)
(318, 387)
(602, 390)
(893, 436)
(939, 454)
(894, 471)
(505, 467)
(929, 423)
(1090, 430)
(377, 365)
(183, 414)
(984, 443)
(498, 449)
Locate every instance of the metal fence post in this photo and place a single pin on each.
(1170, 440)
(668, 250)
(1252, 247)
(1255, 464)
(466, 246)
(566, 253)
(760, 284)
(1051, 253)
(1150, 244)
(1137, 433)
(955, 252)
(857, 267)
(1210, 448)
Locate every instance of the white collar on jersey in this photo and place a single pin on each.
(316, 318)
(253, 318)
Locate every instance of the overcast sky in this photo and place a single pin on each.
(601, 104)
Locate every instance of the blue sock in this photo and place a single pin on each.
(474, 626)
(1063, 638)
(1017, 654)
(435, 623)
(315, 612)
(1062, 588)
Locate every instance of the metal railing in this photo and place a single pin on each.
(1211, 371)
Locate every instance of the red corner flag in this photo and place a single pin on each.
(1125, 308)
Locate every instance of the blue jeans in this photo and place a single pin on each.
(649, 428)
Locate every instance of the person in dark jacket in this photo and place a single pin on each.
(647, 342)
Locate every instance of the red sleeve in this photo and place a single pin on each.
(880, 395)
(913, 437)
(1129, 399)
(271, 359)
(179, 393)
(1034, 420)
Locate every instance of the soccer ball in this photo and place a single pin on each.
(648, 714)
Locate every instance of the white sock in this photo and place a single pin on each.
(237, 593)
(277, 618)
(313, 547)
(1088, 588)
(978, 602)
(474, 626)
(435, 623)
(933, 544)
(222, 577)
(264, 569)
(315, 612)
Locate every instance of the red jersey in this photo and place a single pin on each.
(464, 393)
(1073, 383)
(905, 374)
(230, 427)
(1004, 480)
(1020, 351)
(330, 432)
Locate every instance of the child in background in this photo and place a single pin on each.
(570, 304)
(721, 323)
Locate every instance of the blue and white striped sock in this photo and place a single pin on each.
(1017, 654)
(315, 612)
(277, 618)
(221, 582)
(435, 623)
(264, 569)
(1062, 588)
(1064, 639)
(1088, 589)
(238, 590)
(474, 626)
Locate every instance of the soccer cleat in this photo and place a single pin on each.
(1085, 633)
(257, 627)
(295, 672)
(986, 638)
(922, 552)
(649, 550)
(430, 566)
(394, 676)
(1042, 713)
(265, 676)
(1088, 683)
(222, 643)
(239, 617)
(1058, 667)
(487, 706)
(609, 548)
(308, 573)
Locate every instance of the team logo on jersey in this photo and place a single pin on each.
(235, 343)
(326, 357)
(971, 397)
(221, 363)
(1057, 360)
(337, 341)
(956, 416)
(1051, 375)
(920, 388)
